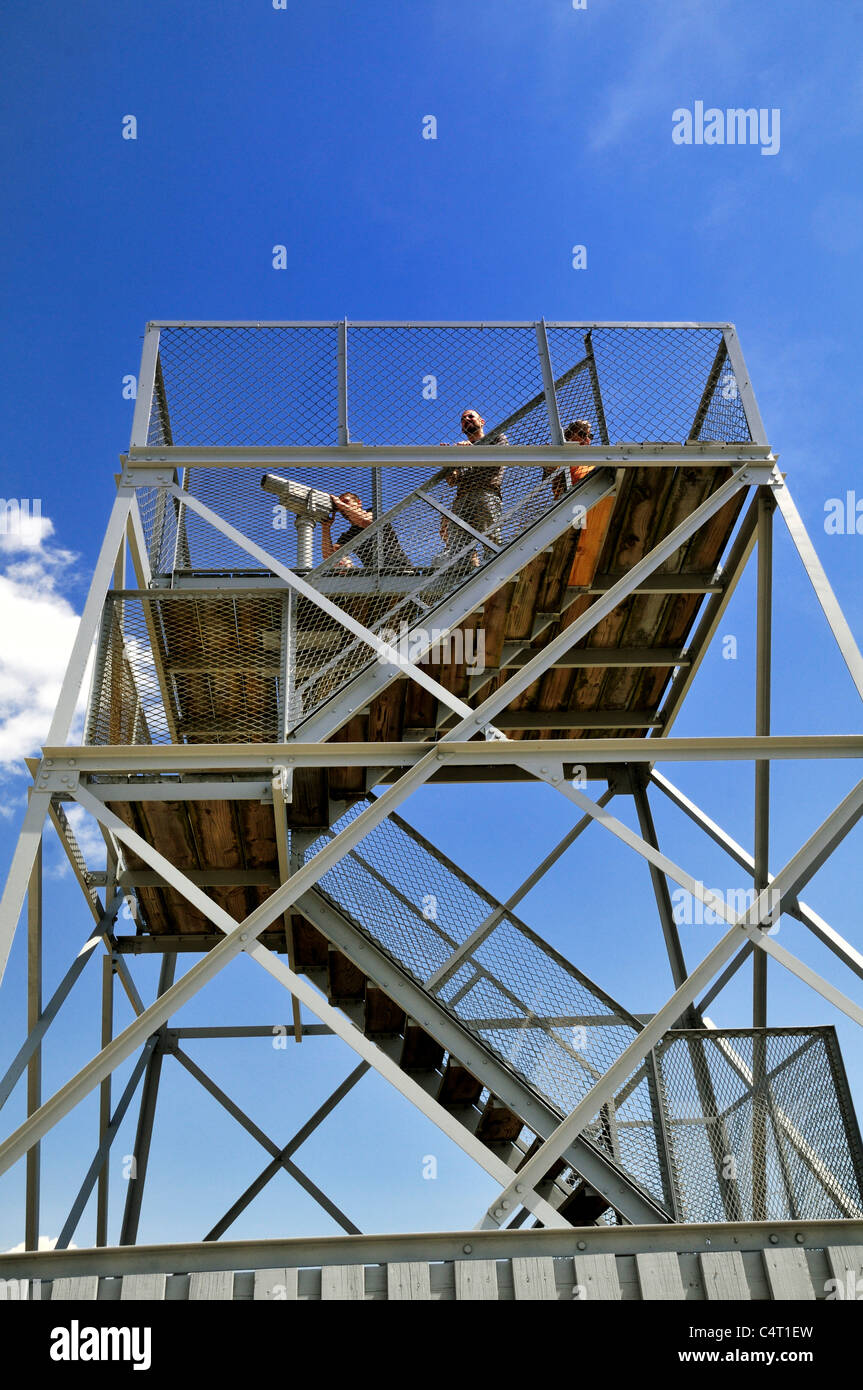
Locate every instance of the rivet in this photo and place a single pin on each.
(581, 1245)
(774, 1240)
(799, 1237)
(519, 1187)
(505, 1206)
(467, 1249)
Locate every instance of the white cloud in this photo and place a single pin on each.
(22, 525)
(45, 1243)
(38, 628)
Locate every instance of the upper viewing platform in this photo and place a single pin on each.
(255, 621)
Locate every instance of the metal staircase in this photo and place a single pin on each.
(509, 1035)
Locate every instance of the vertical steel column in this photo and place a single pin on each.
(288, 669)
(34, 1068)
(744, 386)
(548, 385)
(342, 359)
(181, 543)
(717, 1135)
(594, 384)
(285, 858)
(105, 1098)
(762, 727)
(661, 893)
(146, 388)
(763, 645)
(144, 1132)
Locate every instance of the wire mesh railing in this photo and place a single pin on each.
(783, 1126)
(254, 664)
(178, 667)
(270, 385)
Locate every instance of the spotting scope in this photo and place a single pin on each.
(305, 501)
(308, 504)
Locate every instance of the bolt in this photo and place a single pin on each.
(774, 1240)
(467, 1249)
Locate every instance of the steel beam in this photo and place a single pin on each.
(146, 387)
(34, 1066)
(554, 425)
(261, 757)
(671, 936)
(763, 645)
(105, 1100)
(115, 536)
(281, 1157)
(431, 1247)
(280, 817)
(140, 463)
(821, 584)
(744, 386)
(27, 849)
(762, 730)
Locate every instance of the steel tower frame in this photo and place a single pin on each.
(65, 774)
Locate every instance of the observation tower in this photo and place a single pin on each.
(260, 714)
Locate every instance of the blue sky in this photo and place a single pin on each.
(303, 127)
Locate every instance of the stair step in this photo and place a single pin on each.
(458, 1087)
(346, 983)
(382, 1015)
(420, 1051)
(498, 1123)
(311, 947)
(584, 1206)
